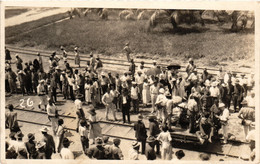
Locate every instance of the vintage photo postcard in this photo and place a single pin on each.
(144, 81)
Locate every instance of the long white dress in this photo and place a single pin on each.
(165, 138)
(146, 93)
(87, 93)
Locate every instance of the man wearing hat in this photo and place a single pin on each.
(243, 83)
(50, 144)
(149, 151)
(65, 152)
(154, 91)
(115, 151)
(154, 130)
(223, 120)
(134, 97)
(214, 90)
(134, 151)
(140, 132)
(98, 64)
(104, 83)
(64, 54)
(107, 100)
(98, 151)
(237, 95)
(30, 146)
(190, 67)
(77, 57)
(42, 95)
(132, 67)
(193, 79)
(11, 77)
(127, 51)
(247, 114)
(125, 105)
(83, 133)
(139, 79)
(19, 62)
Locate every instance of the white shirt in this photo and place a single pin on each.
(139, 79)
(134, 93)
(161, 99)
(154, 90)
(225, 115)
(51, 110)
(214, 91)
(66, 153)
(83, 131)
(78, 104)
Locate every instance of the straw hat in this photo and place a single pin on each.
(135, 144)
(44, 129)
(237, 81)
(99, 141)
(161, 90)
(150, 139)
(221, 105)
(40, 144)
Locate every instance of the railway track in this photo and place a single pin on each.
(126, 132)
(109, 62)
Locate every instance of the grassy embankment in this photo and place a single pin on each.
(13, 12)
(213, 45)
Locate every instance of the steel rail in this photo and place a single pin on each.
(16, 49)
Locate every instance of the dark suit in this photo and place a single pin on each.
(140, 134)
(125, 108)
(50, 146)
(238, 96)
(228, 97)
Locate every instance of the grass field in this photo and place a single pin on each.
(211, 45)
(18, 29)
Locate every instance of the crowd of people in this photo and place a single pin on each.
(201, 102)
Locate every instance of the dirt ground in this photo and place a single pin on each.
(32, 14)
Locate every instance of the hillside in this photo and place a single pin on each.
(211, 45)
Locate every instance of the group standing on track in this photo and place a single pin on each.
(200, 102)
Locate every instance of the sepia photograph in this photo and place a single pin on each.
(122, 83)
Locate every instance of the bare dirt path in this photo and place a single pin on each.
(33, 14)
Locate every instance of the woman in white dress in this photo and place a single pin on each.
(87, 92)
(146, 93)
(166, 148)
